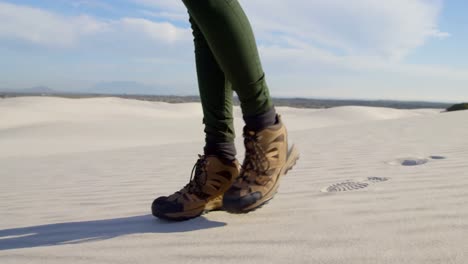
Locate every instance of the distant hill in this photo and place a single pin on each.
(39, 89)
(32, 90)
(126, 87)
(139, 91)
(458, 107)
(326, 103)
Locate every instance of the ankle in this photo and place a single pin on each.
(261, 121)
(223, 150)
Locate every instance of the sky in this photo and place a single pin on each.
(360, 49)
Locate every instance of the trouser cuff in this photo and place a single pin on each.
(225, 150)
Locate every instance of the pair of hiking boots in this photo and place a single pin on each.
(219, 184)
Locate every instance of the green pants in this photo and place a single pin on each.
(227, 60)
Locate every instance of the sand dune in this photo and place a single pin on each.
(373, 185)
(48, 125)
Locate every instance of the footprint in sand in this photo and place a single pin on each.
(376, 179)
(415, 161)
(353, 185)
(346, 186)
(437, 157)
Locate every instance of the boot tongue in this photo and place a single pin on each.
(255, 151)
(249, 138)
(200, 173)
(198, 178)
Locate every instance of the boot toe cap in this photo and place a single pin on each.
(162, 206)
(239, 204)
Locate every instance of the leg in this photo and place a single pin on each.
(229, 36)
(214, 172)
(216, 99)
(267, 157)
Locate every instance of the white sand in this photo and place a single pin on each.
(78, 177)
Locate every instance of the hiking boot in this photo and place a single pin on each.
(211, 177)
(267, 158)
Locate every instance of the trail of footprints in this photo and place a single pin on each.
(351, 185)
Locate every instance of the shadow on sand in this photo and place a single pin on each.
(81, 232)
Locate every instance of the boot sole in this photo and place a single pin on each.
(293, 156)
(212, 205)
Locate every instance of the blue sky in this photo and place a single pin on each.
(371, 49)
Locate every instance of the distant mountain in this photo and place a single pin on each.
(39, 89)
(102, 88)
(32, 90)
(126, 87)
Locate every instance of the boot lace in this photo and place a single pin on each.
(255, 158)
(197, 177)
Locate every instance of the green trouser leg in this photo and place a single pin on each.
(223, 36)
(215, 92)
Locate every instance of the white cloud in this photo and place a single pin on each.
(318, 47)
(290, 60)
(164, 31)
(91, 4)
(171, 16)
(167, 5)
(43, 27)
(390, 29)
(46, 28)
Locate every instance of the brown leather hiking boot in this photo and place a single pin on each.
(211, 178)
(267, 158)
